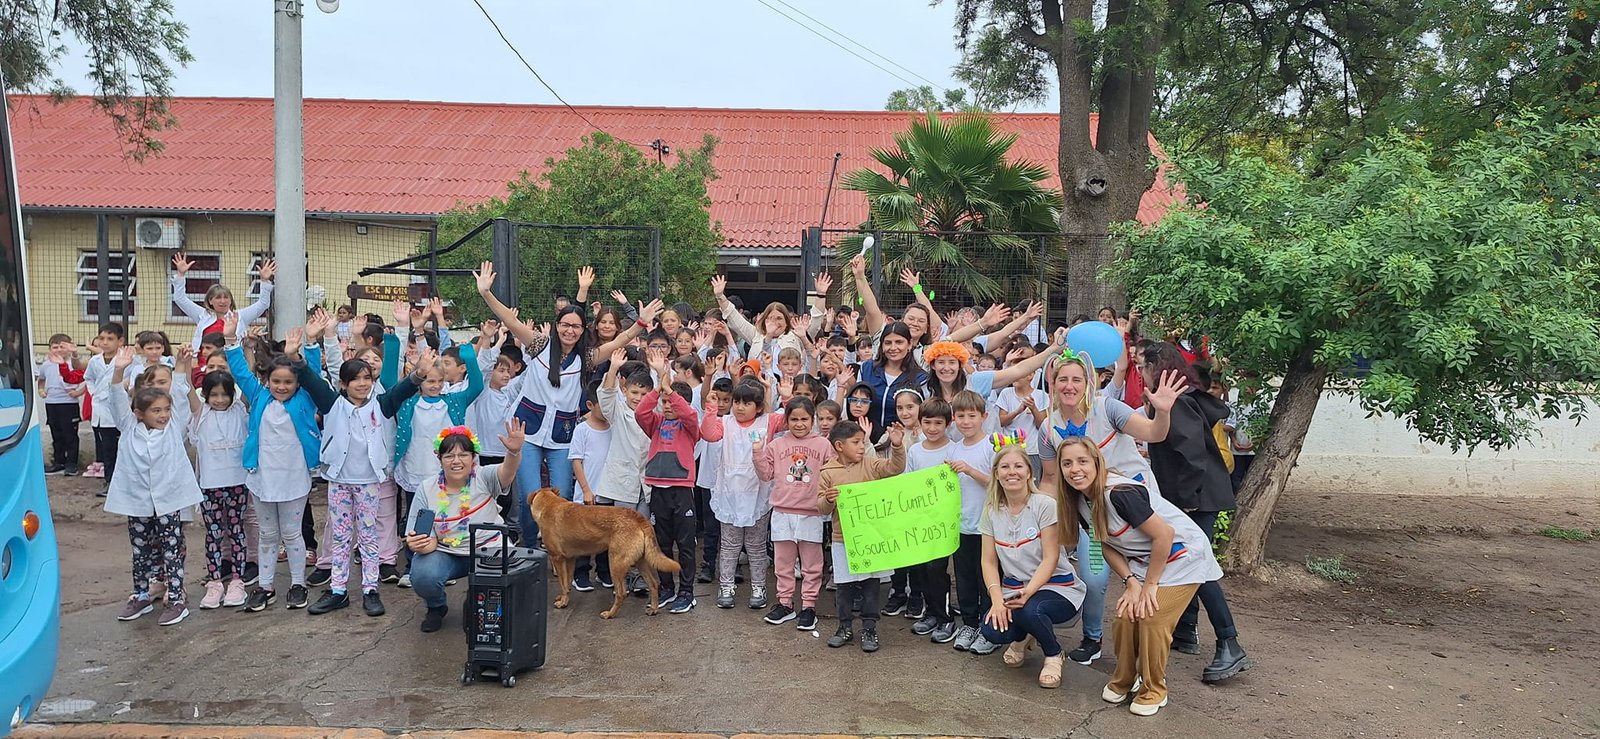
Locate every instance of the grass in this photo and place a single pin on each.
(1331, 569)
(1556, 532)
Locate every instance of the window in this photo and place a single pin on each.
(257, 258)
(207, 271)
(120, 274)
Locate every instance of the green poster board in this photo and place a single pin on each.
(902, 520)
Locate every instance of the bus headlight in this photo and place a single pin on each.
(30, 525)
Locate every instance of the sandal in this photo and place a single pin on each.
(1016, 652)
(1050, 676)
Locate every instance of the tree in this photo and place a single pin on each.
(1470, 287)
(131, 45)
(604, 181)
(924, 100)
(951, 183)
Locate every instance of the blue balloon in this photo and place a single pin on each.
(1100, 340)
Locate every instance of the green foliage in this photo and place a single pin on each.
(1220, 541)
(602, 182)
(1556, 532)
(1331, 569)
(1466, 278)
(924, 100)
(131, 47)
(952, 176)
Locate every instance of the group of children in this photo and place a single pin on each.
(732, 434)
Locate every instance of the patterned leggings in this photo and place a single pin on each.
(222, 510)
(353, 510)
(158, 550)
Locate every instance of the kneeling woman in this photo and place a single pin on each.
(1032, 586)
(1129, 525)
(464, 495)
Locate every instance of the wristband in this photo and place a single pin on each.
(917, 288)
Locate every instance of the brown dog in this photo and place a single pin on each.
(570, 530)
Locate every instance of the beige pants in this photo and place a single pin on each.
(1141, 646)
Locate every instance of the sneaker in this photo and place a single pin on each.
(605, 580)
(869, 640)
(725, 596)
(235, 595)
(634, 582)
(95, 469)
(434, 619)
(943, 633)
(173, 613)
(1145, 709)
(894, 606)
(1087, 652)
(582, 584)
(135, 608)
(213, 598)
(72, 471)
(758, 597)
(841, 637)
(665, 598)
(925, 625)
(779, 614)
(682, 604)
(372, 604)
(319, 577)
(916, 611)
(259, 600)
(964, 637)
(251, 572)
(404, 581)
(705, 574)
(1111, 696)
(807, 620)
(54, 469)
(981, 645)
(298, 597)
(328, 603)
(388, 574)
(104, 489)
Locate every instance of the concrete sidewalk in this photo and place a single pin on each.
(706, 672)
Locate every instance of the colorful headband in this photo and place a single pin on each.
(457, 431)
(940, 349)
(1003, 440)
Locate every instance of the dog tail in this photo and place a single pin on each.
(658, 559)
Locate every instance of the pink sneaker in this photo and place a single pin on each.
(95, 469)
(213, 598)
(235, 596)
(135, 608)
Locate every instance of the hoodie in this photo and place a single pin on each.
(669, 461)
(836, 473)
(1188, 466)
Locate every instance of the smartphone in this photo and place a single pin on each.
(423, 526)
(1013, 595)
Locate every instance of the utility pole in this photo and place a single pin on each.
(288, 169)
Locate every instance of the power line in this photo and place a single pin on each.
(868, 49)
(847, 49)
(537, 76)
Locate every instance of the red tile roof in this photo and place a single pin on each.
(420, 158)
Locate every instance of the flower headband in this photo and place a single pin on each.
(940, 349)
(1003, 440)
(457, 431)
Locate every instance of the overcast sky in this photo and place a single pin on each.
(705, 53)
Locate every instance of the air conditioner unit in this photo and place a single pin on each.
(159, 233)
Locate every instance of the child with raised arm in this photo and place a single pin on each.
(792, 463)
(740, 499)
(852, 465)
(667, 417)
(623, 469)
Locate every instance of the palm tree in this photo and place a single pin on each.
(953, 204)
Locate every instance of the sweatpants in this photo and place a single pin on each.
(869, 592)
(158, 550)
(707, 525)
(353, 514)
(752, 540)
(389, 542)
(936, 588)
(909, 583)
(1142, 646)
(280, 523)
(673, 508)
(1209, 594)
(106, 440)
(968, 564)
(784, 554)
(1036, 618)
(62, 418)
(222, 512)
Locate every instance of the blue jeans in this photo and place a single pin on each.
(537, 461)
(1094, 604)
(1036, 618)
(430, 571)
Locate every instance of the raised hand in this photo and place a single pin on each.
(858, 265)
(1124, 325)
(620, 297)
(802, 323)
(1166, 394)
(897, 434)
(847, 377)
(585, 277)
(230, 325)
(436, 307)
(292, 342)
(358, 325)
(866, 425)
(181, 265)
(124, 358)
(268, 270)
(317, 325)
(484, 277)
(182, 356)
(618, 356)
(418, 319)
(1059, 338)
(515, 434)
(719, 284)
(649, 311)
(785, 388)
(909, 278)
(657, 360)
(426, 358)
(401, 311)
(824, 282)
(996, 315)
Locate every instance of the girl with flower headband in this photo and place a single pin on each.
(1078, 409)
(460, 495)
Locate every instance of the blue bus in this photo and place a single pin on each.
(30, 572)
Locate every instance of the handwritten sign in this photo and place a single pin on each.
(902, 520)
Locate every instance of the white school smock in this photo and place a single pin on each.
(153, 473)
(419, 467)
(1104, 427)
(218, 439)
(566, 400)
(740, 497)
(282, 476)
(97, 378)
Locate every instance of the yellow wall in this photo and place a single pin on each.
(334, 253)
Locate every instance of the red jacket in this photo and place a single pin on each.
(669, 462)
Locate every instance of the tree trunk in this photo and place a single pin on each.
(1269, 474)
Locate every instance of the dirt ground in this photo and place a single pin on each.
(1463, 620)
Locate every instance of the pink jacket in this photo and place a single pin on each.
(669, 462)
(795, 468)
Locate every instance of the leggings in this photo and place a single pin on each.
(752, 540)
(353, 513)
(280, 522)
(158, 550)
(1036, 618)
(222, 511)
(388, 527)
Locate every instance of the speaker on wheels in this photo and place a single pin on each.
(505, 614)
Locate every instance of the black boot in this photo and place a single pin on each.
(1186, 639)
(1230, 660)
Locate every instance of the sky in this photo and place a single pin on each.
(704, 53)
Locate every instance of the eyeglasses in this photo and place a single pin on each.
(457, 455)
(573, 326)
(858, 400)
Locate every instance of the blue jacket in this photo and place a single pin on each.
(882, 413)
(400, 406)
(302, 410)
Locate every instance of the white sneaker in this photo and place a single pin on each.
(235, 595)
(1146, 709)
(964, 637)
(1111, 696)
(405, 580)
